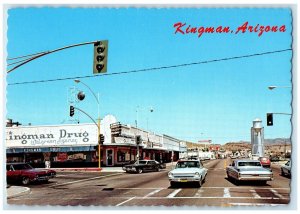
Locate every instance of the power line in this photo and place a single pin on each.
(154, 68)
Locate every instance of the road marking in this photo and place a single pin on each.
(254, 193)
(139, 188)
(152, 193)
(276, 193)
(199, 193)
(240, 187)
(212, 197)
(125, 201)
(255, 204)
(82, 180)
(226, 193)
(172, 194)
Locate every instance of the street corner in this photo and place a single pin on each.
(15, 191)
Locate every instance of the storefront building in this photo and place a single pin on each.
(58, 144)
(76, 145)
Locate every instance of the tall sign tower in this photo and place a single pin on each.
(257, 138)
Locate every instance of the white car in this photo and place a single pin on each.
(286, 169)
(188, 171)
(248, 170)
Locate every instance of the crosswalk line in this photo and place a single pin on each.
(172, 194)
(152, 193)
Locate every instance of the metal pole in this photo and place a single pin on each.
(49, 52)
(137, 145)
(99, 145)
(97, 124)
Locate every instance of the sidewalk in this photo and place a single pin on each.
(14, 191)
(88, 169)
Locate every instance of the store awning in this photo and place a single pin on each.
(51, 149)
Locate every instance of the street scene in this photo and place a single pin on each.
(152, 189)
(149, 107)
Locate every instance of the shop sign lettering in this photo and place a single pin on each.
(51, 136)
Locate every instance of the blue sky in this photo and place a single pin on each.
(216, 101)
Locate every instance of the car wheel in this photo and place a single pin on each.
(139, 170)
(172, 184)
(236, 182)
(25, 180)
(45, 181)
(157, 169)
(228, 177)
(282, 172)
(263, 182)
(200, 182)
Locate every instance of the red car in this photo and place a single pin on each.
(25, 173)
(265, 162)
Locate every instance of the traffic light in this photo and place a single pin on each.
(138, 139)
(269, 119)
(101, 138)
(100, 57)
(72, 111)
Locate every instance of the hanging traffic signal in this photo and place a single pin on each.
(72, 111)
(101, 138)
(269, 119)
(100, 57)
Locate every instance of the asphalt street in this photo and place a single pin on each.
(153, 189)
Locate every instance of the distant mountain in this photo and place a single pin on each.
(278, 141)
(241, 145)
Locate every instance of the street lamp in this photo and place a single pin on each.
(136, 125)
(137, 111)
(273, 87)
(98, 125)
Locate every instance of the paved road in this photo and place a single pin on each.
(153, 189)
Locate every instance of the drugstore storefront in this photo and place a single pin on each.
(64, 146)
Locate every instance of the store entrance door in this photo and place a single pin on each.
(109, 157)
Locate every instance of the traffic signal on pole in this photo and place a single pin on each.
(138, 139)
(72, 111)
(100, 57)
(101, 138)
(269, 119)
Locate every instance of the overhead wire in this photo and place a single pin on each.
(153, 68)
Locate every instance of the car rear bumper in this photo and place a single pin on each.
(255, 178)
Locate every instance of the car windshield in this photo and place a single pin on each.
(188, 164)
(249, 163)
(22, 166)
(141, 162)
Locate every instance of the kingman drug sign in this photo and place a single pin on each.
(47, 136)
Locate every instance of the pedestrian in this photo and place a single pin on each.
(47, 164)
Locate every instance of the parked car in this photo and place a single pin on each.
(274, 159)
(144, 166)
(188, 171)
(25, 173)
(248, 170)
(265, 162)
(286, 169)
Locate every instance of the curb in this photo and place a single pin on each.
(25, 191)
(76, 169)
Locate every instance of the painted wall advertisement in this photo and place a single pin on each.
(51, 136)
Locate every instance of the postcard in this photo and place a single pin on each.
(149, 107)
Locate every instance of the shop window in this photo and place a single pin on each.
(121, 156)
